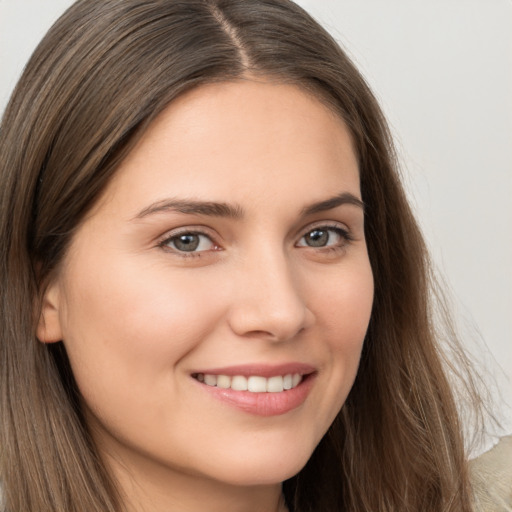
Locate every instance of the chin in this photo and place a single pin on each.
(268, 467)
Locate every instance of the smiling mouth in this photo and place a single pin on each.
(261, 390)
(253, 383)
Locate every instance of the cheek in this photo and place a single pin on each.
(344, 312)
(345, 307)
(124, 326)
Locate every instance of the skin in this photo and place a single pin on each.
(138, 317)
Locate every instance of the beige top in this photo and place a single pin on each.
(491, 475)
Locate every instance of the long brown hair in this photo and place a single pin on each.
(104, 71)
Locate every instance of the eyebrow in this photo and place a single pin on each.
(234, 211)
(209, 208)
(333, 202)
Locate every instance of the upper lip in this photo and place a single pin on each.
(261, 370)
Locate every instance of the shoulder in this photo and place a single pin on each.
(491, 476)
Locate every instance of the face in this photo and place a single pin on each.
(214, 303)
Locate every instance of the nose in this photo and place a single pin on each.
(268, 301)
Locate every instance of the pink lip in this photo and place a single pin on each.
(261, 370)
(262, 404)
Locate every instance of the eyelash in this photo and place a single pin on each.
(164, 244)
(344, 234)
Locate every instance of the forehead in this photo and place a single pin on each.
(243, 137)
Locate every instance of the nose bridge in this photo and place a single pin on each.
(268, 301)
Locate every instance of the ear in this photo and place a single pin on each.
(49, 324)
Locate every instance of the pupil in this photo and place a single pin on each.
(317, 238)
(187, 242)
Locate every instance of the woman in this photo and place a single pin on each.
(214, 293)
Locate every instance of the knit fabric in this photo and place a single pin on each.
(491, 476)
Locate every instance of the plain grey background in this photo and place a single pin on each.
(442, 70)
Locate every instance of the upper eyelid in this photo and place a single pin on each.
(323, 224)
(196, 230)
(206, 231)
(163, 243)
(345, 234)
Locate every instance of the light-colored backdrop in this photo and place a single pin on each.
(442, 70)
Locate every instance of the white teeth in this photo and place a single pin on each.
(257, 384)
(239, 383)
(254, 383)
(211, 380)
(223, 381)
(275, 384)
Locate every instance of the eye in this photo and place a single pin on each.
(324, 236)
(189, 242)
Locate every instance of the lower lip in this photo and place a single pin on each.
(263, 404)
